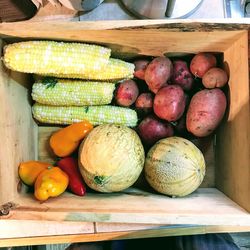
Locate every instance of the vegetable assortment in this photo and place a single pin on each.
(52, 180)
(163, 100)
(67, 101)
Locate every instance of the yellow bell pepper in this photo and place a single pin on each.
(50, 183)
(29, 170)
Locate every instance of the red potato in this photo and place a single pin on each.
(201, 63)
(181, 75)
(158, 72)
(205, 112)
(140, 68)
(144, 103)
(126, 93)
(151, 129)
(169, 103)
(215, 78)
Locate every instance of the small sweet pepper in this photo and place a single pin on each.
(70, 166)
(50, 183)
(66, 140)
(29, 170)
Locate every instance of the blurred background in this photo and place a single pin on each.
(90, 10)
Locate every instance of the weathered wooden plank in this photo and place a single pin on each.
(18, 131)
(182, 25)
(135, 206)
(44, 151)
(167, 231)
(124, 44)
(22, 228)
(232, 146)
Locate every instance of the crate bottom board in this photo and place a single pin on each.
(206, 206)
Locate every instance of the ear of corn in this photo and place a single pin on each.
(94, 114)
(49, 57)
(115, 70)
(61, 92)
(66, 60)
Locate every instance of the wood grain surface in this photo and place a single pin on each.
(233, 162)
(206, 206)
(17, 129)
(118, 233)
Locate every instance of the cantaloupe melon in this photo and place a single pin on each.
(174, 166)
(111, 158)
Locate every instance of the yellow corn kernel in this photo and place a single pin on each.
(96, 115)
(114, 71)
(49, 57)
(68, 92)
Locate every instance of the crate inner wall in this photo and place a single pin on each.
(228, 195)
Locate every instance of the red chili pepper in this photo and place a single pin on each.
(70, 166)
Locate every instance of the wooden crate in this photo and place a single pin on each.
(223, 199)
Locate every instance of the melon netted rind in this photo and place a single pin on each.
(111, 158)
(175, 166)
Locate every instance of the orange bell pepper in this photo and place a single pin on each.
(50, 183)
(29, 170)
(66, 140)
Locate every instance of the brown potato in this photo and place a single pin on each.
(201, 63)
(158, 73)
(205, 111)
(215, 78)
(169, 103)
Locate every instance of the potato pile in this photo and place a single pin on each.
(176, 96)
